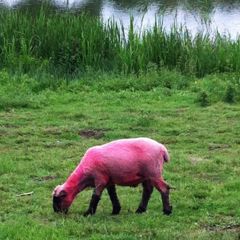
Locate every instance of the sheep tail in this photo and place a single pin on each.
(166, 156)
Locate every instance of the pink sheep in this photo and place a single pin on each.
(125, 162)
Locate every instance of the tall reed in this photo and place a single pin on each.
(70, 43)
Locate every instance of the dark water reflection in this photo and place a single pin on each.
(197, 15)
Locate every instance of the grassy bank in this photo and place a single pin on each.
(43, 136)
(70, 43)
(22, 90)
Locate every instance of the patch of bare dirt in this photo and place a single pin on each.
(214, 146)
(92, 133)
(195, 160)
(9, 125)
(228, 228)
(52, 131)
(3, 132)
(44, 178)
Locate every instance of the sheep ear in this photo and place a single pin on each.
(55, 190)
(58, 192)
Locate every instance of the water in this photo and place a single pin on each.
(198, 15)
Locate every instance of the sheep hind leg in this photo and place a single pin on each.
(147, 191)
(114, 199)
(164, 190)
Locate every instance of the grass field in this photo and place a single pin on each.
(43, 136)
(58, 98)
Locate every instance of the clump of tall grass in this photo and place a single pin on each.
(203, 99)
(71, 43)
(217, 87)
(229, 96)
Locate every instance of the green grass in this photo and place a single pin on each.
(71, 44)
(40, 144)
(185, 94)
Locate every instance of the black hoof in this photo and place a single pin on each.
(141, 210)
(167, 211)
(87, 213)
(116, 211)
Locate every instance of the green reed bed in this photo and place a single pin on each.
(67, 42)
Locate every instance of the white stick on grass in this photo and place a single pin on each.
(24, 194)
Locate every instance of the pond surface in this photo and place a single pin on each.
(198, 15)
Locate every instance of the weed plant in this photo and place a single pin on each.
(202, 99)
(229, 94)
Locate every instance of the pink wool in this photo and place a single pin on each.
(125, 162)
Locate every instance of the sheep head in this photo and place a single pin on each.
(62, 199)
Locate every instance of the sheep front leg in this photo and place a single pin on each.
(93, 205)
(114, 199)
(95, 198)
(147, 191)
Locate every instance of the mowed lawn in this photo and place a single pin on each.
(41, 144)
